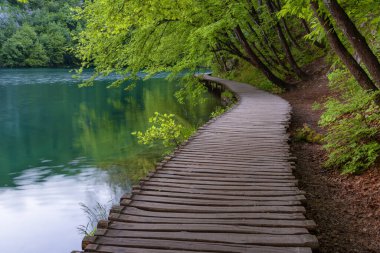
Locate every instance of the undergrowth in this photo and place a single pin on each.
(353, 123)
(94, 215)
(307, 134)
(245, 73)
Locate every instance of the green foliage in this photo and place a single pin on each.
(353, 123)
(94, 215)
(23, 49)
(165, 129)
(130, 36)
(307, 134)
(192, 91)
(36, 33)
(219, 110)
(301, 9)
(228, 97)
(244, 73)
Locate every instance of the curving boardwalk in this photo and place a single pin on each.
(228, 189)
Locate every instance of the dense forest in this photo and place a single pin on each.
(274, 38)
(37, 33)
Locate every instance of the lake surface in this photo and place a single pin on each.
(61, 145)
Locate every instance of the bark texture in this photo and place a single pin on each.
(256, 62)
(356, 39)
(336, 44)
(286, 47)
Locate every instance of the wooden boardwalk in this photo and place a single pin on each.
(230, 188)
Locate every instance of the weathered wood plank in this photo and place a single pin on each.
(221, 192)
(215, 209)
(192, 246)
(206, 228)
(256, 187)
(220, 197)
(208, 202)
(305, 240)
(253, 182)
(228, 168)
(267, 220)
(207, 216)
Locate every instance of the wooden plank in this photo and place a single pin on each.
(222, 176)
(282, 151)
(224, 168)
(305, 240)
(195, 181)
(231, 162)
(256, 187)
(220, 197)
(275, 222)
(240, 172)
(219, 192)
(208, 202)
(215, 209)
(206, 228)
(210, 216)
(195, 246)
(111, 249)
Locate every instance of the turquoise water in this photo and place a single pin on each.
(61, 146)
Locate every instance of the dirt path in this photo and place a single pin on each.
(345, 208)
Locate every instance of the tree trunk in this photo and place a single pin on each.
(256, 62)
(256, 20)
(353, 66)
(286, 48)
(276, 62)
(356, 39)
(291, 38)
(277, 6)
(305, 26)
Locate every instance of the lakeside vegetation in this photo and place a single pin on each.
(276, 38)
(247, 40)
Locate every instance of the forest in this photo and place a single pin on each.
(276, 38)
(37, 34)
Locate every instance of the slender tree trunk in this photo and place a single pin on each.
(354, 67)
(305, 26)
(356, 39)
(291, 38)
(277, 6)
(256, 62)
(256, 20)
(275, 62)
(220, 60)
(286, 48)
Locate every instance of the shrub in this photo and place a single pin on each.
(246, 74)
(165, 129)
(218, 111)
(308, 135)
(353, 123)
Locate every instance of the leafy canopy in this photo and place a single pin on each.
(130, 36)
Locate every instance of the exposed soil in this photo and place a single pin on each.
(345, 208)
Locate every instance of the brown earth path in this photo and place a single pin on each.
(346, 208)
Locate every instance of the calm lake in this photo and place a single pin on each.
(61, 145)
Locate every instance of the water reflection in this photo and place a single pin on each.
(60, 145)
